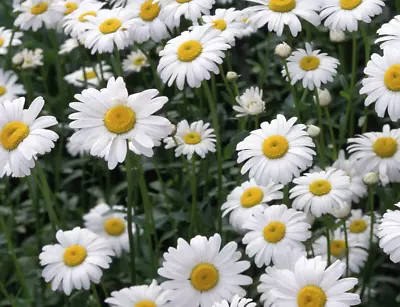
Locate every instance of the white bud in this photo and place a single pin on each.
(371, 178)
(283, 50)
(361, 121)
(324, 96)
(38, 51)
(17, 59)
(337, 36)
(232, 76)
(313, 131)
(341, 211)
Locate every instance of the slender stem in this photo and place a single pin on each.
(7, 59)
(82, 52)
(28, 85)
(331, 132)
(293, 90)
(353, 84)
(328, 244)
(321, 126)
(265, 65)
(371, 212)
(256, 122)
(228, 88)
(129, 177)
(286, 195)
(120, 71)
(96, 295)
(398, 6)
(193, 186)
(100, 60)
(6, 295)
(347, 247)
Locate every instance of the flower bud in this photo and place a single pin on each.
(17, 59)
(337, 36)
(341, 211)
(324, 96)
(232, 76)
(313, 131)
(371, 178)
(283, 50)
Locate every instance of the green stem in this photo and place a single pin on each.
(193, 185)
(96, 295)
(293, 90)
(6, 295)
(286, 195)
(153, 69)
(129, 177)
(352, 86)
(28, 86)
(331, 132)
(347, 247)
(119, 72)
(328, 244)
(228, 88)
(321, 126)
(7, 59)
(265, 65)
(100, 60)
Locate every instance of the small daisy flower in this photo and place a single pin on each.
(9, 88)
(138, 296)
(389, 36)
(389, 233)
(249, 27)
(237, 301)
(278, 151)
(277, 13)
(250, 103)
(197, 138)
(5, 39)
(245, 199)
(76, 260)
(311, 67)
(67, 7)
(359, 225)
(93, 76)
(191, 57)
(69, 45)
(24, 135)
(135, 61)
(201, 274)
(344, 15)
(272, 230)
(319, 193)
(28, 58)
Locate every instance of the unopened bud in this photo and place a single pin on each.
(313, 131)
(341, 211)
(232, 76)
(283, 50)
(337, 36)
(324, 96)
(371, 178)
(17, 59)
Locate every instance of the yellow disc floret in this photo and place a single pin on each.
(311, 296)
(70, 7)
(282, 6)
(392, 78)
(192, 138)
(204, 277)
(189, 51)
(39, 8)
(114, 226)
(349, 4)
(385, 147)
(90, 74)
(82, 18)
(13, 134)
(110, 26)
(251, 197)
(320, 187)
(275, 147)
(274, 232)
(120, 119)
(338, 248)
(74, 255)
(145, 303)
(1, 42)
(358, 226)
(309, 62)
(219, 24)
(3, 90)
(149, 10)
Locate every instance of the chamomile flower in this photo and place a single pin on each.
(34, 14)
(250, 103)
(92, 76)
(311, 67)
(319, 193)
(24, 135)
(389, 233)
(312, 283)
(109, 118)
(277, 13)
(377, 152)
(248, 197)
(249, 27)
(196, 138)
(28, 58)
(278, 151)
(5, 39)
(237, 301)
(191, 56)
(344, 15)
(67, 7)
(9, 88)
(138, 296)
(76, 260)
(135, 61)
(359, 225)
(201, 274)
(389, 36)
(69, 45)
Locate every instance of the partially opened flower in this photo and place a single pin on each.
(135, 61)
(250, 102)
(359, 225)
(28, 58)
(5, 39)
(9, 88)
(93, 76)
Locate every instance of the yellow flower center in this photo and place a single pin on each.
(311, 296)
(385, 147)
(309, 62)
(349, 4)
(90, 74)
(192, 138)
(82, 18)
(74, 255)
(110, 26)
(282, 6)
(251, 197)
(70, 7)
(13, 134)
(39, 8)
(3, 90)
(145, 303)
(183, 1)
(149, 10)
(204, 277)
(338, 248)
(357, 226)
(1, 42)
(114, 226)
(320, 187)
(274, 232)
(189, 51)
(219, 24)
(392, 78)
(120, 119)
(275, 147)
(139, 61)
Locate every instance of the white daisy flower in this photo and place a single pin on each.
(23, 135)
(93, 76)
(389, 232)
(278, 13)
(272, 230)
(248, 197)
(191, 57)
(358, 253)
(312, 283)
(35, 14)
(344, 15)
(106, 29)
(278, 151)
(69, 45)
(138, 296)
(237, 301)
(359, 225)
(75, 149)
(197, 138)
(28, 58)
(9, 88)
(108, 118)
(201, 274)
(249, 27)
(389, 36)
(76, 260)
(67, 7)
(311, 67)
(377, 152)
(135, 61)
(5, 39)
(319, 193)
(250, 103)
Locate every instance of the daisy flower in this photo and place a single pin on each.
(237, 301)
(9, 88)
(76, 260)
(23, 135)
(278, 13)
(272, 230)
(190, 139)
(69, 45)
(359, 225)
(377, 152)
(67, 7)
(34, 14)
(138, 296)
(278, 151)
(245, 199)
(319, 193)
(389, 35)
(191, 57)
(93, 76)
(28, 58)
(108, 118)
(311, 67)
(389, 232)
(312, 283)
(135, 61)
(344, 15)
(250, 103)
(201, 274)
(5, 39)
